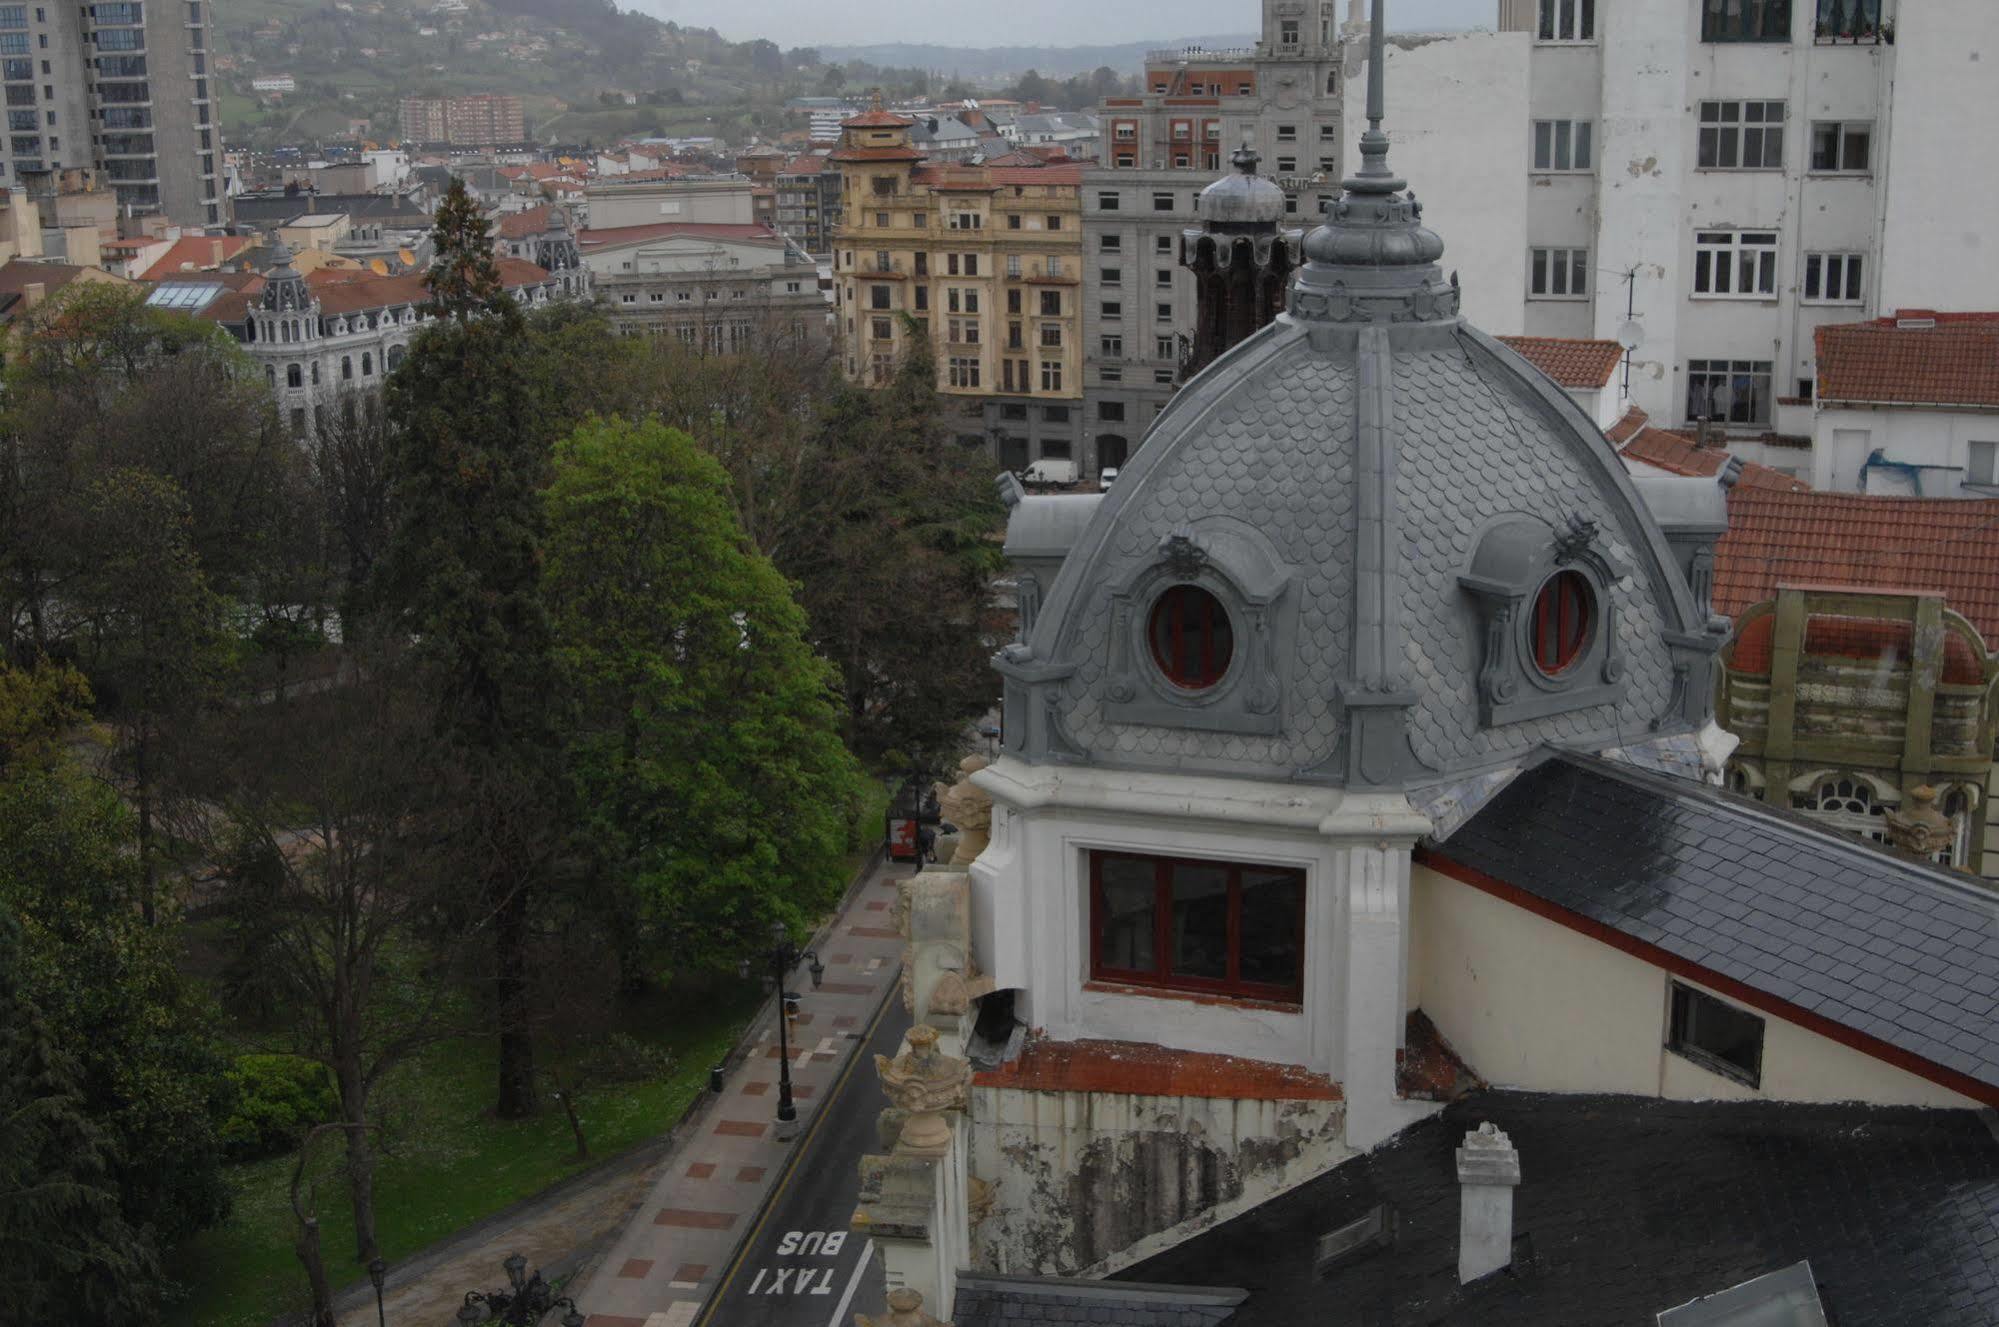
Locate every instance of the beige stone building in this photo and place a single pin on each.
(986, 262)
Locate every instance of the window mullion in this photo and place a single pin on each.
(1162, 874)
(1235, 929)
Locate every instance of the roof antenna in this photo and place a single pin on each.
(1374, 176)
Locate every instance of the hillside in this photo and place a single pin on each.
(1008, 62)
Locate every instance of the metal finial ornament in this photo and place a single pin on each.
(1374, 176)
(1245, 158)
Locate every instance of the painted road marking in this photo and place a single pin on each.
(853, 1284)
(680, 1315)
(790, 1169)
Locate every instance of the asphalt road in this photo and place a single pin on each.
(800, 1267)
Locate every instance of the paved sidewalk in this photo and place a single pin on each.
(662, 1267)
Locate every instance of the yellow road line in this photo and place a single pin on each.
(791, 1163)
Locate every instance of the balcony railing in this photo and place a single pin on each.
(1192, 54)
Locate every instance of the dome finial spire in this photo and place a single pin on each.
(1374, 175)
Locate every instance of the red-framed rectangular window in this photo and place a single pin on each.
(1224, 928)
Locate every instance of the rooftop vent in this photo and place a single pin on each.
(1355, 1239)
(1488, 1172)
(1915, 320)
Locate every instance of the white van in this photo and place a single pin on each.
(1049, 473)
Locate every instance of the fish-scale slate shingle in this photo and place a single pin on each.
(1875, 943)
(1630, 1205)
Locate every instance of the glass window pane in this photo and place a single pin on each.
(1588, 29)
(1543, 138)
(1129, 919)
(1853, 276)
(1578, 271)
(1200, 934)
(1272, 926)
(1562, 157)
(1582, 144)
(1540, 279)
(1811, 276)
(1855, 155)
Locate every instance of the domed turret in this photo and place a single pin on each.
(1242, 197)
(1240, 257)
(284, 289)
(1368, 546)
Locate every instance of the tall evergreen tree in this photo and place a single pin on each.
(462, 576)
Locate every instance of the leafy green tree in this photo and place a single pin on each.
(148, 1074)
(461, 574)
(704, 745)
(156, 641)
(70, 1256)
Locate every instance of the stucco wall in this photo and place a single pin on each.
(1458, 123)
(1842, 440)
(1938, 250)
(1532, 1004)
(1097, 1180)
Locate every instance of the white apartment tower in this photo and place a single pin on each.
(120, 87)
(1732, 174)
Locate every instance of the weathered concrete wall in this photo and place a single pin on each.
(1092, 1180)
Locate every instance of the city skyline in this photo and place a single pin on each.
(1028, 23)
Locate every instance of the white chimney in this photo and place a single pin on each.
(1488, 1170)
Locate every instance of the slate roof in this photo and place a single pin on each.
(1953, 363)
(1000, 1301)
(1895, 957)
(1628, 1206)
(1584, 365)
(1949, 545)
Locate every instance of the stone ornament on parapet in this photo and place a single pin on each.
(970, 808)
(905, 1309)
(926, 1083)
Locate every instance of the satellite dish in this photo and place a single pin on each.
(1631, 335)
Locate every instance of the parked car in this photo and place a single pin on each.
(1105, 478)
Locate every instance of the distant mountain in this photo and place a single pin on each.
(1005, 62)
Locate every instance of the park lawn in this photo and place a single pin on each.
(446, 1161)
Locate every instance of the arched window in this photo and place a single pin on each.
(285, 328)
(346, 367)
(394, 359)
(1847, 803)
(293, 376)
(1192, 640)
(315, 373)
(271, 375)
(1563, 617)
(367, 365)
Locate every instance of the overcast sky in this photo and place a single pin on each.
(1015, 22)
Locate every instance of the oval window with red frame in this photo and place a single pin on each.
(1192, 641)
(1564, 616)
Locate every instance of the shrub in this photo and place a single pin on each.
(278, 1097)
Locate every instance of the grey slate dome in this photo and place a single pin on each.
(1242, 198)
(1368, 546)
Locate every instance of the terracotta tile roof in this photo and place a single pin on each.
(520, 225)
(877, 120)
(1955, 362)
(1147, 1070)
(1678, 453)
(199, 252)
(1862, 639)
(1947, 545)
(748, 233)
(810, 163)
(1581, 364)
(17, 274)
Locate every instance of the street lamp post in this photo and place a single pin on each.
(526, 1301)
(782, 957)
(378, 1273)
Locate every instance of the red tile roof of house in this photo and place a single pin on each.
(1953, 363)
(354, 290)
(520, 225)
(1680, 453)
(877, 120)
(809, 163)
(1863, 639)
(749, 233)
(197, 253)
(1148, 1070)
(1585, 365)
(1942, 545)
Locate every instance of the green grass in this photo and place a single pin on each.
(446, 1162)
